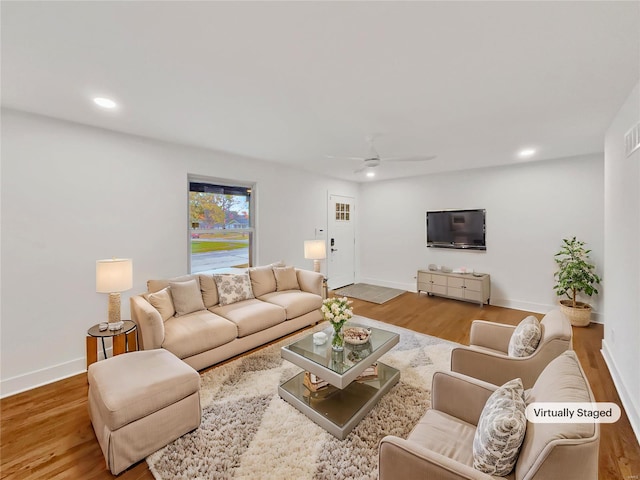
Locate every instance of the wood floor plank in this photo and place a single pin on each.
(46, 432)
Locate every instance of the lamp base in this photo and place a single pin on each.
(114, 312)
(316, 266)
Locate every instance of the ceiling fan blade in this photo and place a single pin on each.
(361, 169)
(408, 159)
(336, 157)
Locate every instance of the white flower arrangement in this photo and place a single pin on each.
(337, 311)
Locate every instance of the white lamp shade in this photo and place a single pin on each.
(114, 275)
(315, 250)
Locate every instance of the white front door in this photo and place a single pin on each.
(341, 260)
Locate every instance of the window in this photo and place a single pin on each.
(342, 212)
(220, 226)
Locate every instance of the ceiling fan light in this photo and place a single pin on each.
(105, 102)
(370, 173)
(526, 152)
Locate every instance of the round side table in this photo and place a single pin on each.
(124, 340)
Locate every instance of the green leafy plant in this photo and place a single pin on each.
(576, 274)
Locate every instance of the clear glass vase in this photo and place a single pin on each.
(337, 341)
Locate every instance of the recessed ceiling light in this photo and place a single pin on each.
(104, 102)
(371, 174)
(526, 152)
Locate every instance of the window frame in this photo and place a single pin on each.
(251, 229)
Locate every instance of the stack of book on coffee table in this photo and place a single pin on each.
(315, 383)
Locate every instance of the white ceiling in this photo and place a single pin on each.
(293, 82)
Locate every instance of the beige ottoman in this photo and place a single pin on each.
(139, 402)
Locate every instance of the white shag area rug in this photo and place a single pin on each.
(249, 432)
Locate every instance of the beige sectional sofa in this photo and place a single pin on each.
(204, 319)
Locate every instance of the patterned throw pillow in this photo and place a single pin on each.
(501, 430)
(286, 278)
(233, 288)
(525, 337)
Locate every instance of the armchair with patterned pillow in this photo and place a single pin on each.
(498, 353)
(476, 430)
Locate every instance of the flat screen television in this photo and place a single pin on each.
(463, 229)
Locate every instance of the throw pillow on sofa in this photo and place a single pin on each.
(187, 297)
(162, 302)
(233, 288)
(525, 337)
(286, 278)
(263, 280)
(209, 290)
(500, 430)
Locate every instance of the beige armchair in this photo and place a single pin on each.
(487, 359)
(440, 446)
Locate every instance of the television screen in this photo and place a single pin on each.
(456, 229)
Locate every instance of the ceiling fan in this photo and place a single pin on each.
(374, 159)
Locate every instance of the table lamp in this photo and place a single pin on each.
(315, 250)
(114, 276)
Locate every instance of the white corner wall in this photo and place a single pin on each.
(73, 194)
(530, 208)
(622, 267)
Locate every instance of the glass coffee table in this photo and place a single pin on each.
(349, 396)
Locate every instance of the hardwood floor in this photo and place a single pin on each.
(46, 432)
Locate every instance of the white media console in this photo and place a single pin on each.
(461, 286)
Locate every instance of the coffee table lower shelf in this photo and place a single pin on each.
(339, 411)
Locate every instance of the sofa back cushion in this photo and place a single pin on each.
(555, 325)
(562, 380)
(286, 278)
(263, 280)
(209, 290)
(187, 297)
(233, 288)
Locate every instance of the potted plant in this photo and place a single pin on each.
(575, 275)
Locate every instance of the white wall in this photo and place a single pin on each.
(73, 194)
(622, 268)
(530, 208)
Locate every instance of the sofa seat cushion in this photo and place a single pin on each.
(295, 302)
(197, 332)
(128, 387)
(251, 316)
(446, 435)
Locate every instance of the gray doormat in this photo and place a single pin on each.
(369, 293)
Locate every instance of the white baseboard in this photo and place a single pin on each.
(44, 376)
(632, 409)
(498, 302)
(536, 307)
